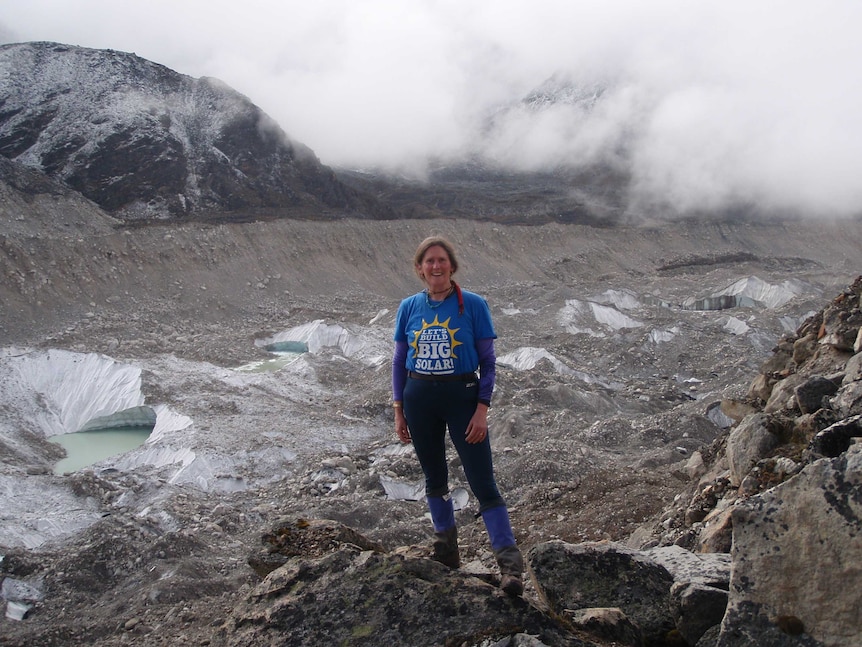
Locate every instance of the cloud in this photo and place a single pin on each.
(705, 105)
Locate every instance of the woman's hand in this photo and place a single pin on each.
(401, 426)
(477, 430)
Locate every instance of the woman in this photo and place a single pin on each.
(442, 336)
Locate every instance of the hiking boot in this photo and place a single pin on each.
(511, 564)
(445, 545)
(512, 585)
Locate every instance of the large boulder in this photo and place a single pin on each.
(698, 596)
(837, 437)
(797, 555)
(749, 442)
(361, 597)
(605, 575)
(668, 593)
(326, 584)
(810, 394)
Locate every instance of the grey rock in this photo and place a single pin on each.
(746, 626)
(810, 394)
(611, 624)
(841, 321)
(370, 598)
(606, 574)
(804, 348)
(783, 397)
(710, 637)
(697, 608)
(848, 400)
(309, 538)
(853, 369)
(792, 544)
(749, 442)
(699, 593)
(837, 438)
(709, 569)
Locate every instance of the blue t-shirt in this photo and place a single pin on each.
(440, 340)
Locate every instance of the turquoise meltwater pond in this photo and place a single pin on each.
(83, 448)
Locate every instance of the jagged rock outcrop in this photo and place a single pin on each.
(668, 593)
(331, 591)
(334, 582)
(786, 481)
(305, 537)
(796, 526)
(143, 141)
(577, 576)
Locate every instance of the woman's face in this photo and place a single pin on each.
(436, 268)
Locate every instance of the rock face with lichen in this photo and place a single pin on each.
(784, 490)
(336, 587)
(794, 542)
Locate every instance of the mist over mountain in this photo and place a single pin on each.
(145, 142)
(702, 108)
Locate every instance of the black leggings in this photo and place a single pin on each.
(431, 406)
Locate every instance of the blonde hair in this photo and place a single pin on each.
(428, 243)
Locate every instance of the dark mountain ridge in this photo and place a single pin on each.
(144, 142)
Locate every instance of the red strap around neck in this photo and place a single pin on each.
(460, 298)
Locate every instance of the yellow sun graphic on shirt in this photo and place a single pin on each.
(435, 344)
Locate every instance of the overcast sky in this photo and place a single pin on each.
(709, 102)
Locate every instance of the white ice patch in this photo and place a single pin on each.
(405, 491)
(379, 316)
(525, 358)
(363, 346)
(401, 490)
(769, 295)
(736, 326)
(37, 509)
(791, 324)
(75, 388)
(167, 421)
(613, 318)
(661, 336)
(621, 300)
(384, 453)
(581, 316)
(64, 392)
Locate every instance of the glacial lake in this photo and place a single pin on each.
(83, 448)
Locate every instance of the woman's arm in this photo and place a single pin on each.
(399, 378)
(487, 369)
